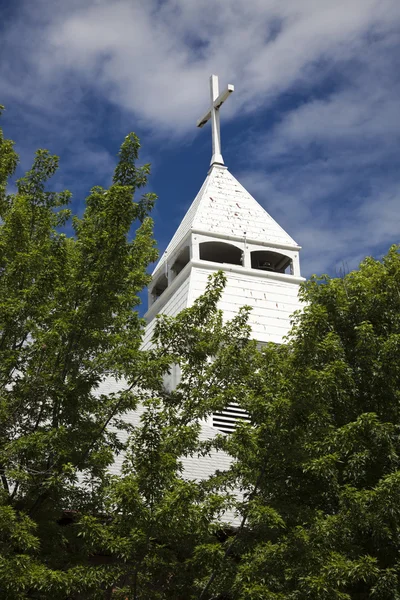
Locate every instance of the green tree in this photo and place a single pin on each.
(68, 527)
(162, 534)
(67, 320)
(314, 478)
(320, 462)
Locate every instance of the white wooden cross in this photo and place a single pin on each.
(217, 100)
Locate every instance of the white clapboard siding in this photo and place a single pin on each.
(272, 302)
(173, 306)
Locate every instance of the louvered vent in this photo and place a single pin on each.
(226, 419)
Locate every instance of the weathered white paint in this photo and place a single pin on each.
(272, 301)
(224, 210)
(170, 305)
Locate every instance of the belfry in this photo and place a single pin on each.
(226, 229)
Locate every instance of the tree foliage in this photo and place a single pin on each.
(66, 321)
(70, 527)
(322, 454)
(314, 479)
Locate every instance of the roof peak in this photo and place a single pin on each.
(217, 166)
(225, 209)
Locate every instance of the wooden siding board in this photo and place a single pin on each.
(272, 302)
(173, 306)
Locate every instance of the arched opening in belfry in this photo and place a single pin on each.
(221, 252)
(181, 261)
(159, 287)
(266, 260)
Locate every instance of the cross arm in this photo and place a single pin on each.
(217, 103)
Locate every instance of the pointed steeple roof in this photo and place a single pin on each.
(224, 208)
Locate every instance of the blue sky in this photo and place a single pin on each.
(312, 130)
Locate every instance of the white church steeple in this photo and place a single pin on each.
(226, 229)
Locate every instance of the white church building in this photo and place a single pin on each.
(225, 229)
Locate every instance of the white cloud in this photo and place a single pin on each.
(154, 58)
(339, 209)
(332, 233)
(315, 169)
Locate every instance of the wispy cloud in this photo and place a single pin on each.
(152, 58)
(317, 80)
(329, 169)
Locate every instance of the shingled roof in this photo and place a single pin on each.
(224, 207)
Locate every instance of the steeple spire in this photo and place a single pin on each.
(226, 229)
(217, 100)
